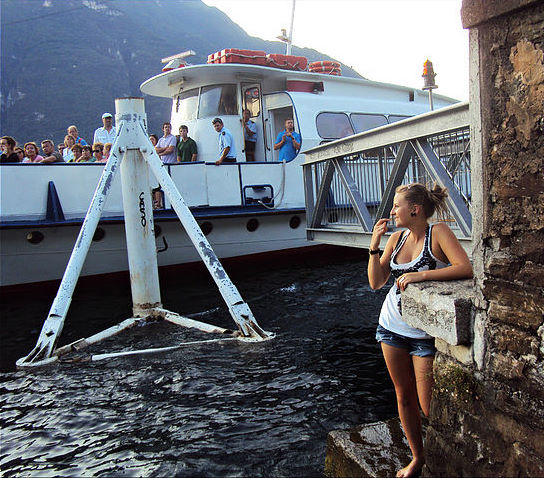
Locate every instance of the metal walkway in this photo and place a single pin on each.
(350, 183)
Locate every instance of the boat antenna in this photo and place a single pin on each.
(288, 39)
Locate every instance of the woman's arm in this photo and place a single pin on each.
(378, 267)
(449, 249)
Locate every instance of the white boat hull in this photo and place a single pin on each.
(23, 262)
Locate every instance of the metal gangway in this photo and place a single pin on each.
(350, 183)
(135, 157)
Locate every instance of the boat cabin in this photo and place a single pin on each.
(324, 105)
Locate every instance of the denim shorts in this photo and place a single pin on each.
(419, 347)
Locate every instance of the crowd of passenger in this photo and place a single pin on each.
(74, 149)
(170, 148)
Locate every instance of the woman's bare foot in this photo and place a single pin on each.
(412, 469)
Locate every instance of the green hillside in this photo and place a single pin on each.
(65, 61)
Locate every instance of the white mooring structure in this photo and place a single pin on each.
(135, 156)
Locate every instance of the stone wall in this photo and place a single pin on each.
(487, 414)
(482, 423)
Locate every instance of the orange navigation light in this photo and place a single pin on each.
(428, 75)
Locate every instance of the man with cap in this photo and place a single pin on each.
(227, 148)
(107, 133)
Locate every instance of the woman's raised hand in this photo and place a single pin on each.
(380, 228)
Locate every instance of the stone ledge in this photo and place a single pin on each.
(376, 449)
(443, 309)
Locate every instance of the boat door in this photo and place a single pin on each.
(252, 100)
(279, 107)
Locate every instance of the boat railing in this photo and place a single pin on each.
(350, 183)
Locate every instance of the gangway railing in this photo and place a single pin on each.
(350, 183)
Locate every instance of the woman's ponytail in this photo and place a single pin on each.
(430, 199)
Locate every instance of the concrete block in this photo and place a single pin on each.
(376, 449)
(442, 309)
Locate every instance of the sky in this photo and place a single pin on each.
(383, 40)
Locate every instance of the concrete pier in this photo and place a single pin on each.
(376, 449)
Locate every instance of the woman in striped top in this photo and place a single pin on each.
(420, 252)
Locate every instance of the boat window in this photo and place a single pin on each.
(251, 101)
(186, 105)
(217, 100)
(364, 122)
(333, 125)
(395, 118)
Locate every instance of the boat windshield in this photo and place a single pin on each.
(395, 118)
(217, 100)
(187, 104)
(364, 122)
(252, 100)
(333, 125)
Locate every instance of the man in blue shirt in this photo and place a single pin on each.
(227, 147)
(288, 141)
(250, 135)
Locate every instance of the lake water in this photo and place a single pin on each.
(230, 409)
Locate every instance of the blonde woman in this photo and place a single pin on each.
(107, 149)
(67, 153)
(420, 252)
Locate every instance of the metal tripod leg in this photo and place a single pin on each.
(239, 310)
(52, 327)
(131, 140)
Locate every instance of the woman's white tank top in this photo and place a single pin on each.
(390, 315)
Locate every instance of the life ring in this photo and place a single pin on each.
(323, 63)
(326, 70)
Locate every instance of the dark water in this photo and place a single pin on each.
(229, 409)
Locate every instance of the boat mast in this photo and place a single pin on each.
(290, 38)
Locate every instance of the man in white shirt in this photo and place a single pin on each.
(166, 146)
(166, 149)
(107, 133)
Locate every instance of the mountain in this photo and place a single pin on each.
(64, 62)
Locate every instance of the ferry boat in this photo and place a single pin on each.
(244, 208)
